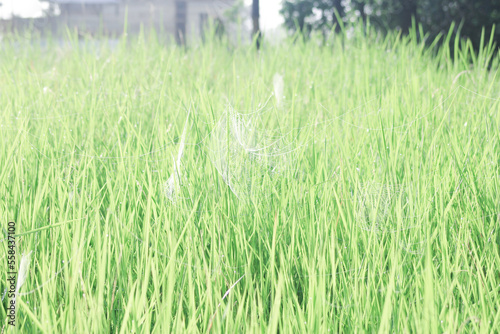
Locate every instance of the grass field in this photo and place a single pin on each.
(352, 187)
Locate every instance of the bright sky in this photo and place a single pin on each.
(24, 8)
(270, 17)
(269, 10)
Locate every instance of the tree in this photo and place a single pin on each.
(435, 16)
(470, 16)
(407, 13)
(308, 15)
(255, 21)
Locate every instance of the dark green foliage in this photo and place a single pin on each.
(312, 14)
(435, 16)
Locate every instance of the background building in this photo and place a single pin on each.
(183, 19)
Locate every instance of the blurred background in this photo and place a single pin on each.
(273, 19)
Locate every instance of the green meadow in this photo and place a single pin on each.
(346, 186)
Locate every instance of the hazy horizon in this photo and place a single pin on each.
(269, 11)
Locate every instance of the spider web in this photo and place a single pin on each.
(247, 156)
(375, 201)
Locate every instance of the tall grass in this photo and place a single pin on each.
(383, 217)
